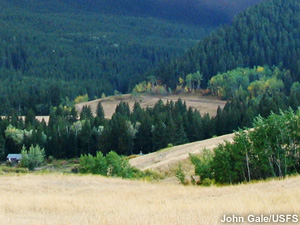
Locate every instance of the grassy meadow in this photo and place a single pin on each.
(75, 199)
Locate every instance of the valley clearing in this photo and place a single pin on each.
(204, 104)
(74, 199)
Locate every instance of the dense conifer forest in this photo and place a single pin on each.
(265, 34)
(253, 64)
(50, 50)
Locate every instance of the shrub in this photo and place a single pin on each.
(180, 174)
(9, 163)
(50, 159)
(100, 165)
(111, 165)
(32, 158)
(170, 145)
(81, 98)
(86, 163)
(203, 165)
(75, 169)
(114, 163)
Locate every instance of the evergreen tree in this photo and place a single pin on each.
(143, 139)
(159, 135)
(99, 119)
(84, 138)
(2, 148)
(137, 113)
(100, 111)
(123, 109)
(180, 135)
(170, 130)
(86, 113)
(116, 136)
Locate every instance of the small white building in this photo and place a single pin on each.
(15, 158)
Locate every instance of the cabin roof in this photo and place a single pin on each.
(14, 156)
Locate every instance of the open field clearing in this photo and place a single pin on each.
(70, 199)
(204, 104)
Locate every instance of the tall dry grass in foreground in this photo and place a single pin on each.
(70, 199)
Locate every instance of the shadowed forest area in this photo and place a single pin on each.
(53, 50)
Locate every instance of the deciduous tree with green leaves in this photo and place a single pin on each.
(33, 157)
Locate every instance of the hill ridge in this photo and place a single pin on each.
(167, 158)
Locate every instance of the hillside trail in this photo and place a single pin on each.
(166, 159)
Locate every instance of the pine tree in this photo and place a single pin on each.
(123, 109)
(100, 111)
(86, 113)
(143, 139)
(180, 136)
(137, 113)
(99, 119)
(2, 148)
(84, 138)
(159, 135)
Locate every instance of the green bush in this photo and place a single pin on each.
(111, 165)
(114, 162)
(180, 174)
(87, 164)
(32, 158)
(170, 145)
(100, 165)
(203, 165)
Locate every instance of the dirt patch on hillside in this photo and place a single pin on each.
(204, 104)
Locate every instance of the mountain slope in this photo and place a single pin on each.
(268, 33)
(51, 49)
(201, 12)
(46, 56)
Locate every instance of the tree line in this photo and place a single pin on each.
(270, 149)
(142, 130)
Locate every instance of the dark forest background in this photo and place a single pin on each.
(50, 50)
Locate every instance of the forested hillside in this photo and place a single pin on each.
(265, 34)
(201, 12)
(50, 50)
(46, 56)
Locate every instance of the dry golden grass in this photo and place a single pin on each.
(70, 199)
(204, 104)
(165, 160)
